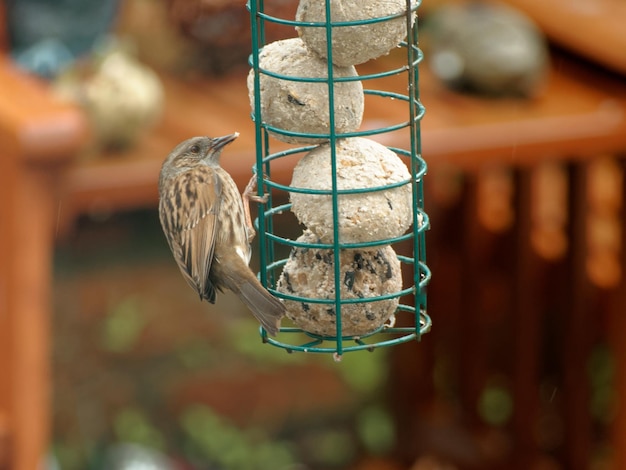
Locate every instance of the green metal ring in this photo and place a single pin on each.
(425, 279)
(336, 24)
(405, 334)
(372, 76)
(424, 226)
(423, 167)
(361, 133)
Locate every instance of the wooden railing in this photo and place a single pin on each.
(528, 253)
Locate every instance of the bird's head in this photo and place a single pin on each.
(195, 151)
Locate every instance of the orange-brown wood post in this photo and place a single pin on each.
(25, 318)
(38, 134)
(8, 172)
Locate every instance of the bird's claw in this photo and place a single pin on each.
(247, 196)
(249, 192)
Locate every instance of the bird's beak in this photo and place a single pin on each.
(219, 142)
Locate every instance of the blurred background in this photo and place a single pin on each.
(108, 360)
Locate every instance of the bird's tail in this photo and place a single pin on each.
(267, 309)
(234, 274)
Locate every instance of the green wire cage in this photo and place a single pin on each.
(411, 315)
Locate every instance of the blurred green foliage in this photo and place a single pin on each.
(376, 429)
(133, 425)
(122, 325)
(496, 404)
(212, 439)
(601, 373)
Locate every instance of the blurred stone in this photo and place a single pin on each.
(123, 97)
(489, 49)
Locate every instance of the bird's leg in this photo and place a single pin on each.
(247, 196)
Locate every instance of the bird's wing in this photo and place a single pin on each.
(192, 205)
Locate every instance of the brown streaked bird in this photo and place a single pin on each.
(208, 227)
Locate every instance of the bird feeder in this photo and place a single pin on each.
(356, 278)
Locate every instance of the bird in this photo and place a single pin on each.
(208, 226)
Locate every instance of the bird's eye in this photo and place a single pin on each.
(195, 149)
